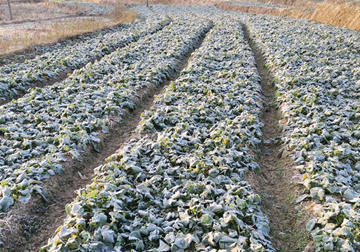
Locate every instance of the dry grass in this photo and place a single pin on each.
(121, 15)
(339, 13)
(296, 12)
(59, 5)
(172, 2)
(17, 40)
(334, 12)
(33, 11)
(22, 39)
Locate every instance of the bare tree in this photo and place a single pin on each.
(11, 17)
(147, 3)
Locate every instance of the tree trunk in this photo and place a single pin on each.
(11, 17)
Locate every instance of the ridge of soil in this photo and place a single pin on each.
(28, 227)
(64, 74)
(277, 181)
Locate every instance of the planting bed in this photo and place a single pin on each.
(255, 89)
(180, 185)
(317, 74)
(41, 129)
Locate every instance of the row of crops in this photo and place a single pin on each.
(41, 130)
(316, 70)
(180, 185)
(18, 77)
(317, 75)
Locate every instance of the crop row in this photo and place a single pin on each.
(180, 184)
(18, 77)
(42, 129)
(317, 75)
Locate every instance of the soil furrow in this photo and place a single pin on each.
(28, 227)
(277, 180)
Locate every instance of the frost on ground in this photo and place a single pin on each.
(19, 77)
(48, 126)
(180, 185)
(317, 71)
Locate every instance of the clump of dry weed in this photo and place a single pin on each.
(338, 13)
(341, 13)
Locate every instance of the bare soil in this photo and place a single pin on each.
(28, 227)
(277, 180)
(35, 11)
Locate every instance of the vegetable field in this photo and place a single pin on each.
(184, 177)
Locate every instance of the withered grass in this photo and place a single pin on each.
(340, 13)
(17, 40)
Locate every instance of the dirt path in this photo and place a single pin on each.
(277, 180)
(28, 227)
(29, 23)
